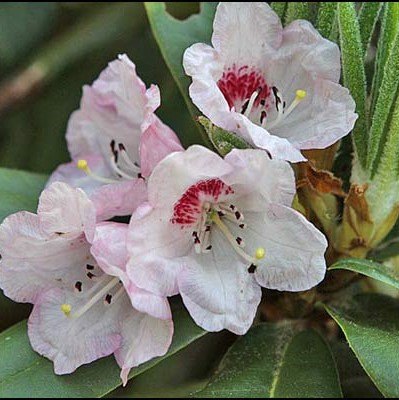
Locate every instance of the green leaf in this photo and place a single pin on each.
(19, 190)
(174, 37)
(297, 10)
(276, 361)
(223, 141)
(374, 270)
(389, 247)
(23, 25)
(386, 98)
(354, 74)
(368, 17)
(279, 8)
(326, 17)
(371, 326)
(389, 28)
(23, 373)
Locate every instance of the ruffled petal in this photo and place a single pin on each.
(218, 290)
(245, 33)
(68, 341)
(143, 338)
(65, 210)
(156, 143)
(294, 259)
(33, 262)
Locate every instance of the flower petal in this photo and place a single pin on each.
(109, 250)
(263, 180)
(156, 143)
(143, 338)
(32, 261)
(218, 290)
(71, 342)
(294, 248)
(66, 210)
(245, 32)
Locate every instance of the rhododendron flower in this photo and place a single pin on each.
(276, 88)
(115, 139)
(216, 230)
(83, 305)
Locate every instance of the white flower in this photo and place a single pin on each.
(216, 230)
(276, 88)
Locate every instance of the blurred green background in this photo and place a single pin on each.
(48, 51)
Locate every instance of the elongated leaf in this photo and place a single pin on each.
(383, 107)
(368, 17)
(374, 270)
(19, 190)
(389, 28)
(371, 326)
(354, 73)
(279, 8)
(276, 361)
(174, 37)
(24, 373)
(297, 10)
(326, 17)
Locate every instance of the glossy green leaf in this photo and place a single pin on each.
(383, 108)
(354, 75)
(371, 326)
(23, 25)
(279, 8)
(23, 373)
(326, 16)
(297, 10)
(174, 37)
(373, 270)
(388, 31)
(368, 17)
(19, 190)
(276, 361)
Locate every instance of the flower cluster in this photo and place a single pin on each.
(214, 230)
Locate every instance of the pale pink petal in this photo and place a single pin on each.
(68, 341)
(66, 210)
(245, 33)
(187, 168)
(143, 338)
(156, 143)
(32, 261)
(218, 290)
(294, 259)
(260, 179)
(119, 199)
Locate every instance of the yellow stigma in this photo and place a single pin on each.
(260, 253)
(66, 309)
(300, 94)
(82, 164)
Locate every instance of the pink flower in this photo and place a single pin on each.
(216, 230)
(84, 303)
(109, 139)
(276, 88)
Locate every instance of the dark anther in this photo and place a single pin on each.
(209, 247)
(242, 226)
(252, 268)
(263, 102)
(238, 240)
(108, 298)
(221, 213)
(121, 147)
(90, 267)
(237, 214)
(244, 106)
(90, 275)
(78, 286)
(263, 115)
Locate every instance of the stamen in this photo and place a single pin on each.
(89, 267)
(83, 165)
(108, 299)
(67, 308)
(78, 286)
(282, 113)
(251, 102)
(127, 160)
(252, 268)
(119, 171)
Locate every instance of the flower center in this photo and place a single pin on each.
(205, 206)
(246, 91)
(120, 164)
(106, 288)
